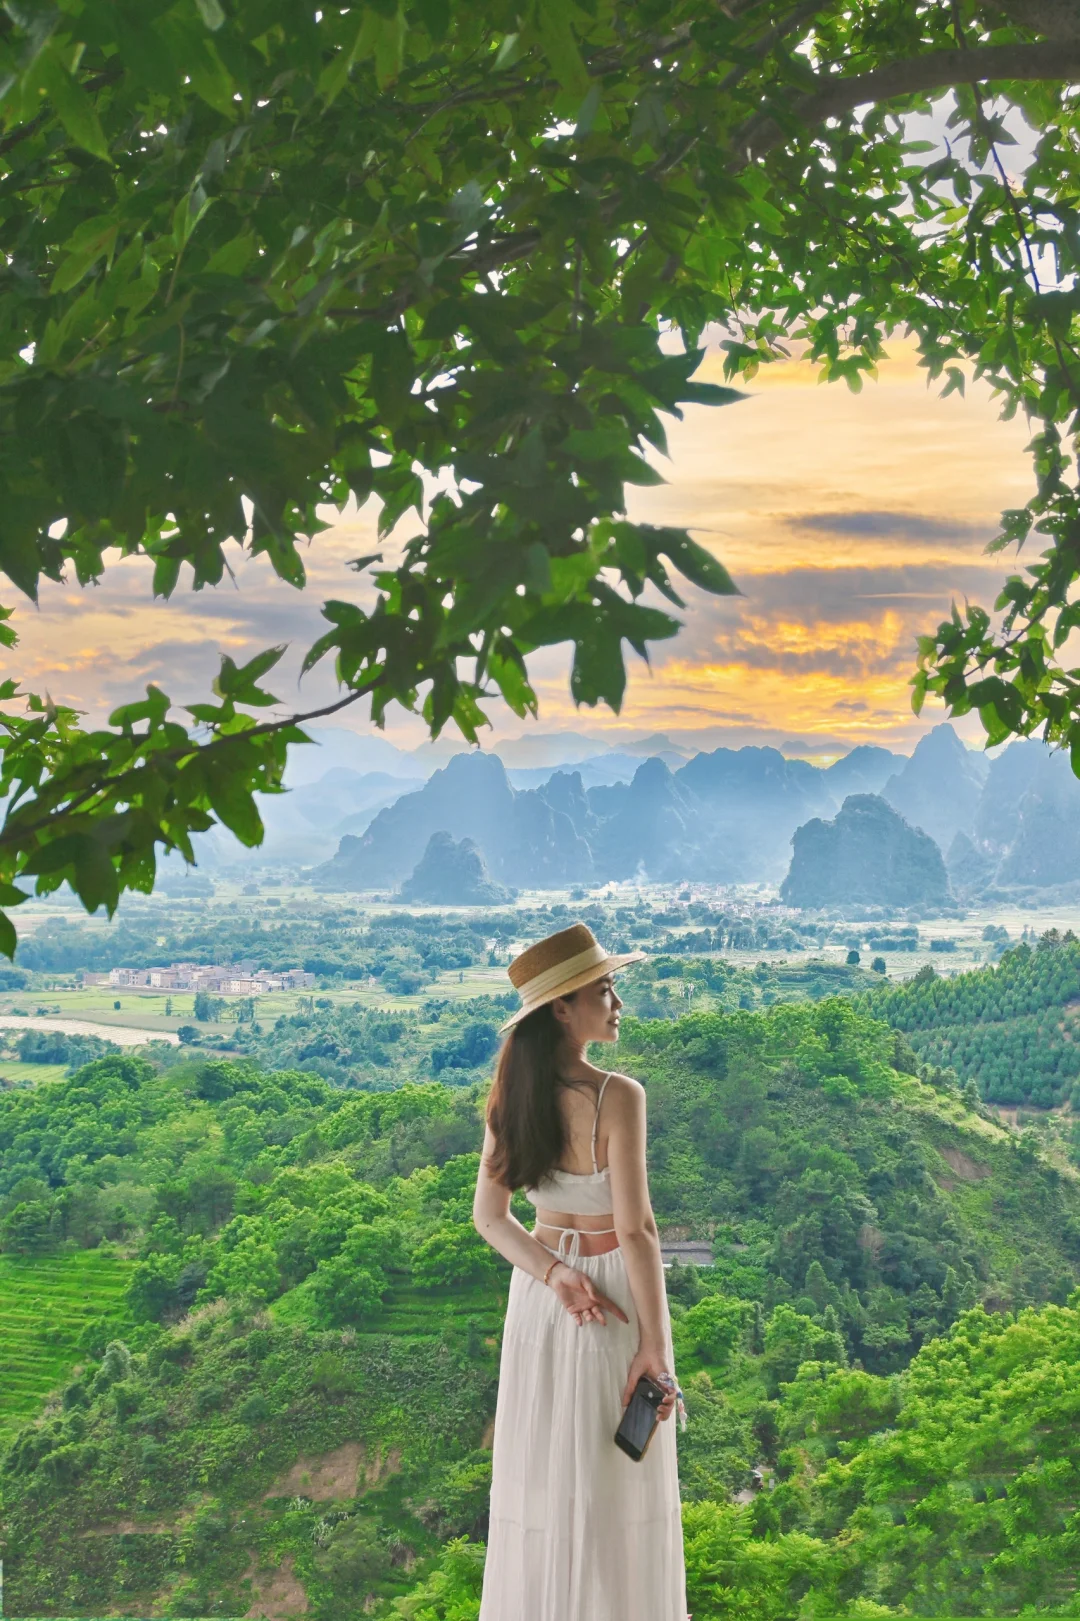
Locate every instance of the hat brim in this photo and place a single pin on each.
(588, 976)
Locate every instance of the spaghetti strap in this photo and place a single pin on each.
(596, 1119)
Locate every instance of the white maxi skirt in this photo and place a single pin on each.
(578, 1531)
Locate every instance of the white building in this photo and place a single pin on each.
(228, 979)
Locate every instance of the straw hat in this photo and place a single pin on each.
(562, 963)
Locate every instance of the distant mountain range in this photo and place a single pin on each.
(940, 788)
(1007, 824)
(723, 817)
(1027, 825)
(360, 812)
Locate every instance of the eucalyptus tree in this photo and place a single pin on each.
(260, 260)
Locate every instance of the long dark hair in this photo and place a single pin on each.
(529, 1131)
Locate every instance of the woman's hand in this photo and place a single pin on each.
(654, 1365)
(581, 1297)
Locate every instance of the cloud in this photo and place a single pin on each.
(883, 525)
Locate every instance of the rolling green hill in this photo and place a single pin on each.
(299, 1415)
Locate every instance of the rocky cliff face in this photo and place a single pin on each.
(1027, 829)
(940, 787)
(723, 817)
(652, 827)
(867, 855)
(865, 770)
(525, 838)
(752, 800)
(452, 874)
(969, 867)
(1045, 849)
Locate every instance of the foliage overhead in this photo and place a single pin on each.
(260, 260)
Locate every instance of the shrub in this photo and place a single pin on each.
(355, 1558)
(454, 1253)
(346, 1294)
(712, 1329)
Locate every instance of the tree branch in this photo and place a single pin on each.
(134, 775)
(938, 70)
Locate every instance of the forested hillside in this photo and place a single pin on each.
(290, 1402)
(1012, 1028)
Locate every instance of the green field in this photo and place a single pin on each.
(145, 1009)
(44, 1305)
(12, 1070)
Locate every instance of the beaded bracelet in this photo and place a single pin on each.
(556, 1262)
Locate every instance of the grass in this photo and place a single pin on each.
(12, 1070)
(45, 1303)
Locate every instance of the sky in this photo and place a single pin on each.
(850, 522)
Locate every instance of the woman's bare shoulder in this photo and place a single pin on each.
(624, 1091)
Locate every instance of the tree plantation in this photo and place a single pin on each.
(1012, 1027)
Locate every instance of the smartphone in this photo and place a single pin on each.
(639, 1421)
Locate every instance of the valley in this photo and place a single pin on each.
(250, 1338)
(277, 1402)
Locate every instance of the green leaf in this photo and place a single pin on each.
(20, 558)
(93, 240)
(390, 50)
(234, 805)
(691, 559)
(73, 106)
(435, 15)
(335, 75)
(510, 49)
(212, 80)
(560, 46)
(712, 394)
(239, 682)
(587, 112)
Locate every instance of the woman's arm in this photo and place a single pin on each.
(493, 1221)
(635, 1226)
(495, 1224)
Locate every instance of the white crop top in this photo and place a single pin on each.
(577, 1193)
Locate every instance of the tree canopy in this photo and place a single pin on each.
(258, 260)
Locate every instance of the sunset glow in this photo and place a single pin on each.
(849, 522)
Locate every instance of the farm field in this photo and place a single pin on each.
(145, 1009)
(11, 1070)
(45, 1303)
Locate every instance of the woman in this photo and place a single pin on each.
(578, 1531)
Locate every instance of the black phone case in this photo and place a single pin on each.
(639, 1421)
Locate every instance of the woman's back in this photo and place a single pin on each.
(572, 1192)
